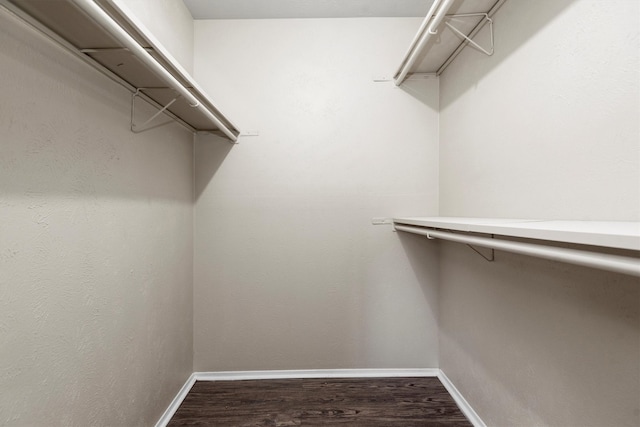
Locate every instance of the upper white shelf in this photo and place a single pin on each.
(612, 234)
(104, 35)
(448, 27)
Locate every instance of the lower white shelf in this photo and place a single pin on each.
(620, 235)
(611, 234)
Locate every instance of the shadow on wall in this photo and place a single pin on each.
(211, 150)
(33, 54)
(422, 90)
(65, 130)
(538, 14)
(423, 255)
(541, 332)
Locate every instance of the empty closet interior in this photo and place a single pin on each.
(239, 187)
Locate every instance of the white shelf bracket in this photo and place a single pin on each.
(459, 33)
(135, 128)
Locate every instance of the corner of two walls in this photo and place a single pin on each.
(96, 245)
(546, 128)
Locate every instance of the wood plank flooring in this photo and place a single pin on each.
(363, 402)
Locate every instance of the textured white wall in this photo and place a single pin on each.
(95, 246)
(170, 22)
(289, 271)
(546, 128)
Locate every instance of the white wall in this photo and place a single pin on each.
(95, 246)
(170, 22)
(546, 128)
(289, 271)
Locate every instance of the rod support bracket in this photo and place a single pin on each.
(492, 253)
(135, 128)
(489, 258)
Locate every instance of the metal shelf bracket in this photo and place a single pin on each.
(492, 254)
(135, 128)
(459, 33)
(490, 257)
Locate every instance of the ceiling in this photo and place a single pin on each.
(274, 9)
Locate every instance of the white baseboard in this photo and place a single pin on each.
(176, 402)
(462, 403)
(315, 373)
(464, 406)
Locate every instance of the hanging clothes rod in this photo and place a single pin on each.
(422, 37)
(101, 17)
(418, 36)
(616, 263)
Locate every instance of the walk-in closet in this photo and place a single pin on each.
(436, 202)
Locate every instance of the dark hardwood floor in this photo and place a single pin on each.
(363, 402)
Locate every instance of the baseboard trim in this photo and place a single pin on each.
(462, 403)
(315, 373)
(176, 402)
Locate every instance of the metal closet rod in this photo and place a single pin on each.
(422, 37)
(616, 263)
(103, 18)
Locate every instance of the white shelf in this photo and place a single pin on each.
(611, 234)
(436, 44)
(105, 35)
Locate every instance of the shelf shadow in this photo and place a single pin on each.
(210, 152)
